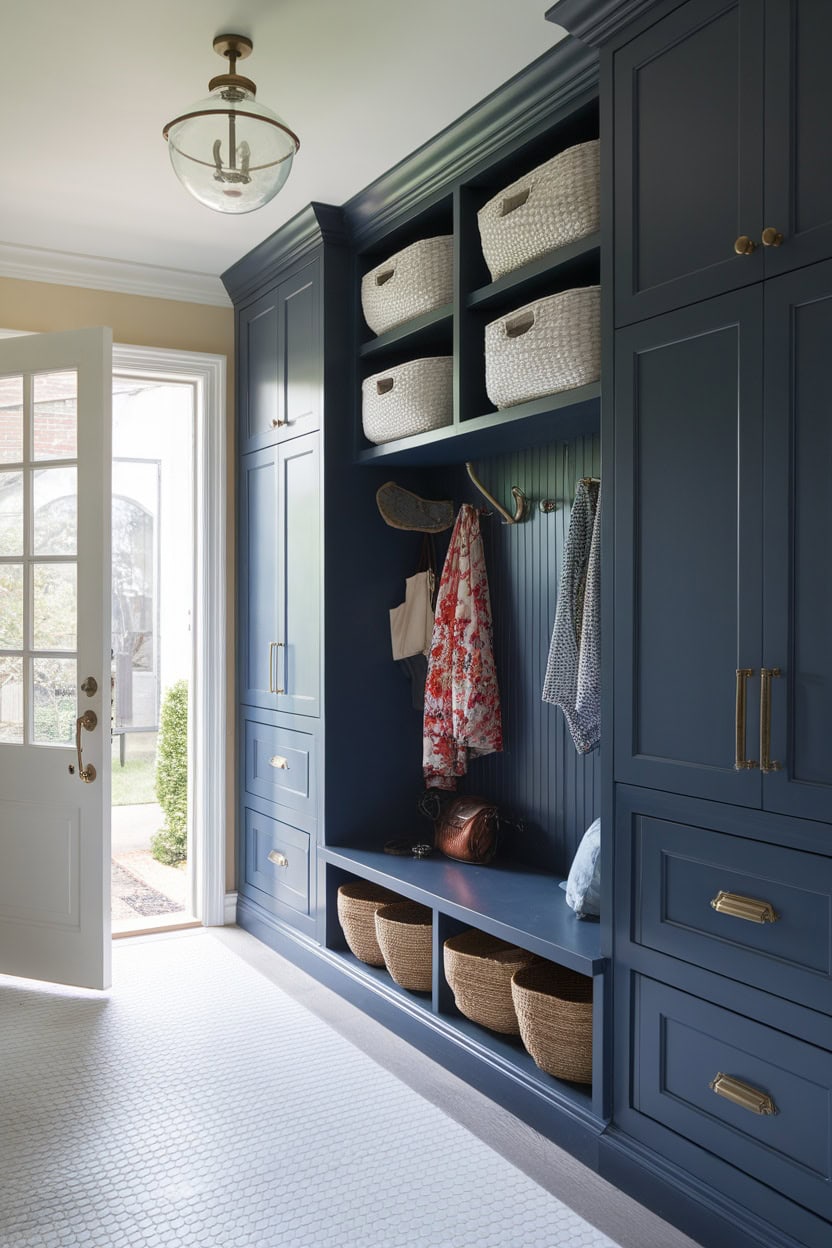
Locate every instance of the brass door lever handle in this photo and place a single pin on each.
(88, 720)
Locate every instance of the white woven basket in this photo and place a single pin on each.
(416, 280)
(410, 398)
(550, 345)
(549, 207)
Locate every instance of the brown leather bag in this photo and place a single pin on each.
(467, 830)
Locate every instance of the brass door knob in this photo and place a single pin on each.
(744, 245)
(771, 237)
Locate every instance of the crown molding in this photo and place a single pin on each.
(531, 99)
(596, 21)
(62, 268)
(291, 243)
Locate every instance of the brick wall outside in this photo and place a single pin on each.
(54, 433)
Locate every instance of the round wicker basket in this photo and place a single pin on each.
(479, 968)
(404, 931)
(357, 905)
(554, 1010)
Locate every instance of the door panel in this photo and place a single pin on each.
(688, 576)
(798, 186)
(688, 157)
(798, 538)
(259, 384)
(298, 658)
(55, 396)
(301, 352)
(258, 577)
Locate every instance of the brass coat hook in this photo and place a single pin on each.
(520, 501)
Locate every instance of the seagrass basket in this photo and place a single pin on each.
(409, 398)
(415, 280)
(357, 905)
(554, 1011)
(479, 968)
(404, 931)
(554, 204)
(544, 347)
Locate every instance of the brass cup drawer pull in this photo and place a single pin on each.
(278, 761)
(279, 860)
(743, 1094)
(739, 907)
(767, 763)
(741, 763)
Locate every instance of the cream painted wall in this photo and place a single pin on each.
(137, 320)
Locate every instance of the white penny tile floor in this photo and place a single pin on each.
(198, 1104)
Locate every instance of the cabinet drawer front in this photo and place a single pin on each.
(280, 765)
(685, 1043)
(284, 877)
(680, 870)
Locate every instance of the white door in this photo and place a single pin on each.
(55, 436)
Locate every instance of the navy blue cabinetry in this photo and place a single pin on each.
(721, 140)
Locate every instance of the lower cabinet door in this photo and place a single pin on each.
(754, 1096)
(276, 866)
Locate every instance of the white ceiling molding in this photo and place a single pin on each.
(59, 268)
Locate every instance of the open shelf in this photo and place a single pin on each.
(553, 418)
(575, 264)
(517, 904)
(431, 330)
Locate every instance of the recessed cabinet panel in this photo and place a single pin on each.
(258, 577)
(276, 863)
(298, 656)
(688, 157)
(685, 1044)
(301, 353)
(759, 913)
(688, 489)
(259, 392)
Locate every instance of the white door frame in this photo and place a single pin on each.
(209, 745)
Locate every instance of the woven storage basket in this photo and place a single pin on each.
(554, 1010)
(550, 345)
(549, 207)
(479, 969)
(415, 280)
(404, 931)
(409, 398)
(357, 905)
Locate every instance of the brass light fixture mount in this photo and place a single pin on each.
(231, 152)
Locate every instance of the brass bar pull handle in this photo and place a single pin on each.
(278, 761)
(88, 720)
(741, 763)
(767, 763)
(271, 666)
(739, 907)
(279, 860)
(743, 1094)
(279, 645)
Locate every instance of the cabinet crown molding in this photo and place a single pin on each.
(530, 100)
(315, 224)
(596, 21)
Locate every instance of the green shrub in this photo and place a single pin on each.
(170, 845)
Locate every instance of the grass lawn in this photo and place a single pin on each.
(133, 784)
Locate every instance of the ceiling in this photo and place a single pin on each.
(89, 85)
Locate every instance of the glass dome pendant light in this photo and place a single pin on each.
(232, 153)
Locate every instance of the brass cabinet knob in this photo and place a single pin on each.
(771, 237)
(744, 245)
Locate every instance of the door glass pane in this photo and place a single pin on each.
(54, 684)
(11, 420)
(11, 606)
(55, 399)
(55, 501)
(54, 606)
(11, 513)
(11, 700)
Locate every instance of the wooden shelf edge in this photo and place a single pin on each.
(553, 418)
(574, 943)
(546, 266)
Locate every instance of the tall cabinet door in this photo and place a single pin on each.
(298, 672)
(688, 157)
(798, 177)
(798, 540)
(688, 587)
(258, 591)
